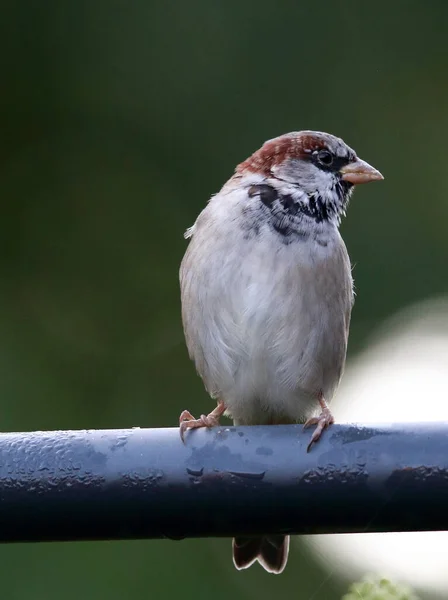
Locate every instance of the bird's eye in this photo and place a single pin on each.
(325, 158)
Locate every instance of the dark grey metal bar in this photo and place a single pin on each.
(144, 483)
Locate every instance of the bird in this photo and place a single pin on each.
(267, 294)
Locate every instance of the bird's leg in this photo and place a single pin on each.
(187, 421)
(324, 420)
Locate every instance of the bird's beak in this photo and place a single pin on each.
(359, 171)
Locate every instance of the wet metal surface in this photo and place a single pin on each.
(138, 483)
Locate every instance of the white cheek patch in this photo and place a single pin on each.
(305, 175)
(321, 181)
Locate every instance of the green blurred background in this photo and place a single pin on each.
(118, 120)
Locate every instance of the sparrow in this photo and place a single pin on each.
(267, 293)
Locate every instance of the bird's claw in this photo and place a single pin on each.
(187, 421)
(322, 422)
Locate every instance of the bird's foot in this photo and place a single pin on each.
(323, 421)
(187, 421)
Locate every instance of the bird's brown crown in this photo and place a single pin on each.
(298, 144)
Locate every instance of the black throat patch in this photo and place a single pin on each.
(283, 205)
(287, 214)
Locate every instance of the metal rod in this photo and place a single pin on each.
(144, 483)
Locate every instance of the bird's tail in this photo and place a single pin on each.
(271, 552)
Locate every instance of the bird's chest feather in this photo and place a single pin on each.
(293, 318)
(270, 319)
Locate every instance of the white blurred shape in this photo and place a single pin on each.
(403, 376)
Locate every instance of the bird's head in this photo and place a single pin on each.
(317, 169)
